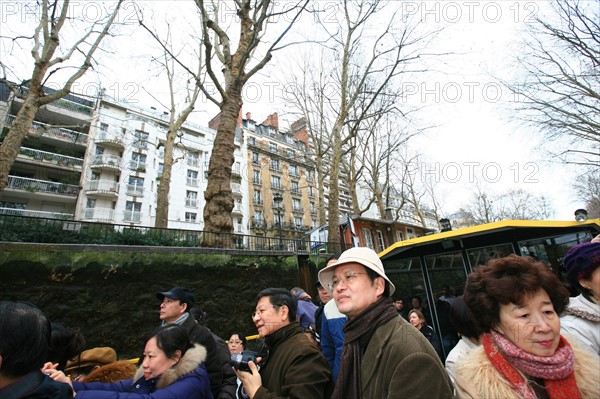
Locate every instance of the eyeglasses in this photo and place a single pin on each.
(347, 279)
(259, 312)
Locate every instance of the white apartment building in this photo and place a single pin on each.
(124, 164)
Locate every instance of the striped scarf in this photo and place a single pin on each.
(556, 370)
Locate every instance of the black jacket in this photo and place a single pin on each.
(36, 385)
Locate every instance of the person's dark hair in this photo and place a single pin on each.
(418, 298)
(24, 338)
(280, 297)
(172, 338)
(335, 256)
(463, 320)
(199, 315)
(65, 344)
(242, 338)
(510, 279)
(373, 275)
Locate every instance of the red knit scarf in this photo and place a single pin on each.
(556, 370)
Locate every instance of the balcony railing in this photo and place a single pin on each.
(107, 160)
(110, 137)
(103, 186)
(135, 190)
(132, 216)
(42, 186)
(107, 214)
(237, 208)
(137, 166)
(51, 158)
(59, 133)
(36, 214)
(236, 188)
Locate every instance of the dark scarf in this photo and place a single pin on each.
(358, 333)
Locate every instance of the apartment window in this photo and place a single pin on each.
(411, 233)
(133, 211)
(240, 223)
(99, 150)
(380, 240)
(95, 176)
(138, 161)
(311, 191)
(237, 168)
(368, 238)
(258, 216)
(274, 164)
(308, 174)
(190, 217)
(238, 205)
(295, 187)
(191, 198)
(399, 236)
(293, 170)
(255, 157)
(257, 197)
(313, 224)
(103, 127)
(256, 176)
(192, 159)
(272, 147)
(161, 168)
(298, 222)
(291, 153)
(91, 203)
(192, 178)
(296, 204)
(140, 139)
(135, 186)
(313, 209)
(275, 181)
(252, 140)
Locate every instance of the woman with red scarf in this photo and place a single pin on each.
(517, 300)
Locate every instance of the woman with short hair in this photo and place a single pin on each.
(516, 301)
(417, 319)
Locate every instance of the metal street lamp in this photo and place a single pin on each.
(278, 199)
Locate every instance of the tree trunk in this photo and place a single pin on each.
(9, 149)
(218, 194)
(162, 201)
(333, 232)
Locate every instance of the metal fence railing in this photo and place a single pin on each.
(19, 228)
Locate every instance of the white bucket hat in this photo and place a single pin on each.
(361, 255)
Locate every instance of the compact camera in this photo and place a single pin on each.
(240, 360)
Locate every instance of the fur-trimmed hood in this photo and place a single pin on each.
(476, 377)
(188, 363)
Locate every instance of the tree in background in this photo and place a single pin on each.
(228, 69)
(170, 62)
(55, 52)
(587, 190)
(560, 95)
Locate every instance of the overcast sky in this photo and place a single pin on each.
(474, 137)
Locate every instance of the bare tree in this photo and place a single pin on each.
(47, 40)
(587, 189)
(237, 67)
(361, 60)
(169, 62)
(561, 93)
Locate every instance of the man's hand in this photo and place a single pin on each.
(251, 380)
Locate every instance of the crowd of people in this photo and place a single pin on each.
(521, 336)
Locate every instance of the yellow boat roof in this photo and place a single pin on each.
(482, 229)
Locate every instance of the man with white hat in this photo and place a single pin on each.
(383, 356)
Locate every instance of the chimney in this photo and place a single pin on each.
(272, 120)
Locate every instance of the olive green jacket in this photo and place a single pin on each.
(401, 363)
(295, 368)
